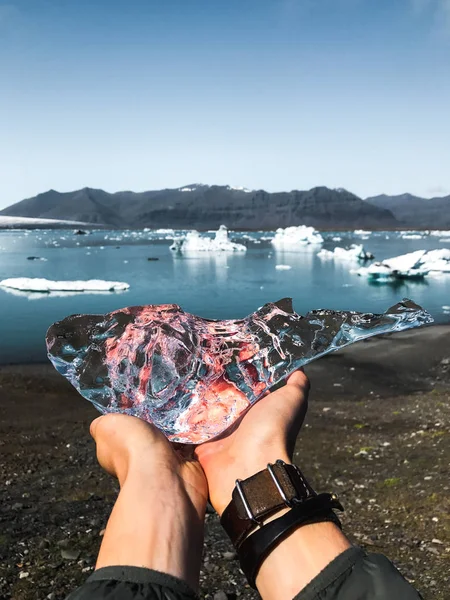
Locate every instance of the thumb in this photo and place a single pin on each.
(94, 425)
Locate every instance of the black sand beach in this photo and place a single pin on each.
(377, 433)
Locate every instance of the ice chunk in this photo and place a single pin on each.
(355, 252)
(414, 265)
(27, 284)
(440, 233)
(293, 238)
(283, 267)
(437, 260)
(362, 232)
(193, 242)
(194, 377)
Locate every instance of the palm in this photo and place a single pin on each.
(266, 432)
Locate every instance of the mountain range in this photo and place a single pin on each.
(203, 207)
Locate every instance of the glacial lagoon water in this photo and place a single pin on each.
(216, 286)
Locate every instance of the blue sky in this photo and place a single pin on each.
(274, 94)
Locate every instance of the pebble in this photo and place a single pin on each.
(51, 596)
(231, 555)
(23, 575)
(70, 554)
(220, 595)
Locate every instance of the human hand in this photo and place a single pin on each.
(128, 445)
(157, 520)
(267, 432)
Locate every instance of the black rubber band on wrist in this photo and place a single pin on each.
(258, 546)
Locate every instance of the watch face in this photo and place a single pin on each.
(193, 377)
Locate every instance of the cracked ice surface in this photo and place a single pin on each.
(193, 377)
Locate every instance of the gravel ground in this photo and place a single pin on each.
(377, 433)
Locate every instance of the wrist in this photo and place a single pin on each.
(243, 468)
(164, 529)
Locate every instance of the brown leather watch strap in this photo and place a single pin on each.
(262, 495)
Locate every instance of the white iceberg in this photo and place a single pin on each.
(355, 252)
(361, 232)
(33, 284)
(440, 232)
(283, 267)
(193, 242)
(292, 238)
(414, 265)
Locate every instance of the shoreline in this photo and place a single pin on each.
(401, 356)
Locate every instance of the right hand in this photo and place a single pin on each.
(267, 432)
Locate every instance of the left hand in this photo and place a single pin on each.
(127, 446)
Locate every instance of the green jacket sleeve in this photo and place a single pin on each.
(355, 575)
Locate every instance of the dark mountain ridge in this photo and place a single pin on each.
(416, 212)
(202, 207)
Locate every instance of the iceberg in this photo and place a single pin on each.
(193, 242)
(361, 232)
(192, 377)
(414, 265)
(445, 233)
(292, 238)
(46, 286)
(355, 252)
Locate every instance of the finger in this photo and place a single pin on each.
(299, 380)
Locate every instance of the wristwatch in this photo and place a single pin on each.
(264, 494)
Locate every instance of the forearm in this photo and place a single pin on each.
(299, 559)
(154, 524)
(301, 556)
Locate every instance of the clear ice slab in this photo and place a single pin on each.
(193, 377)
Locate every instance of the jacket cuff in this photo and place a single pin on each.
(142, 575)
(333, 571)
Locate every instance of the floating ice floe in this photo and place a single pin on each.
(440, 233)
(283, 267)
(355, 252)
(412, 236)
(361, 232)
(193, 242)
(292, 238)
(414, 265)
(46, 286)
